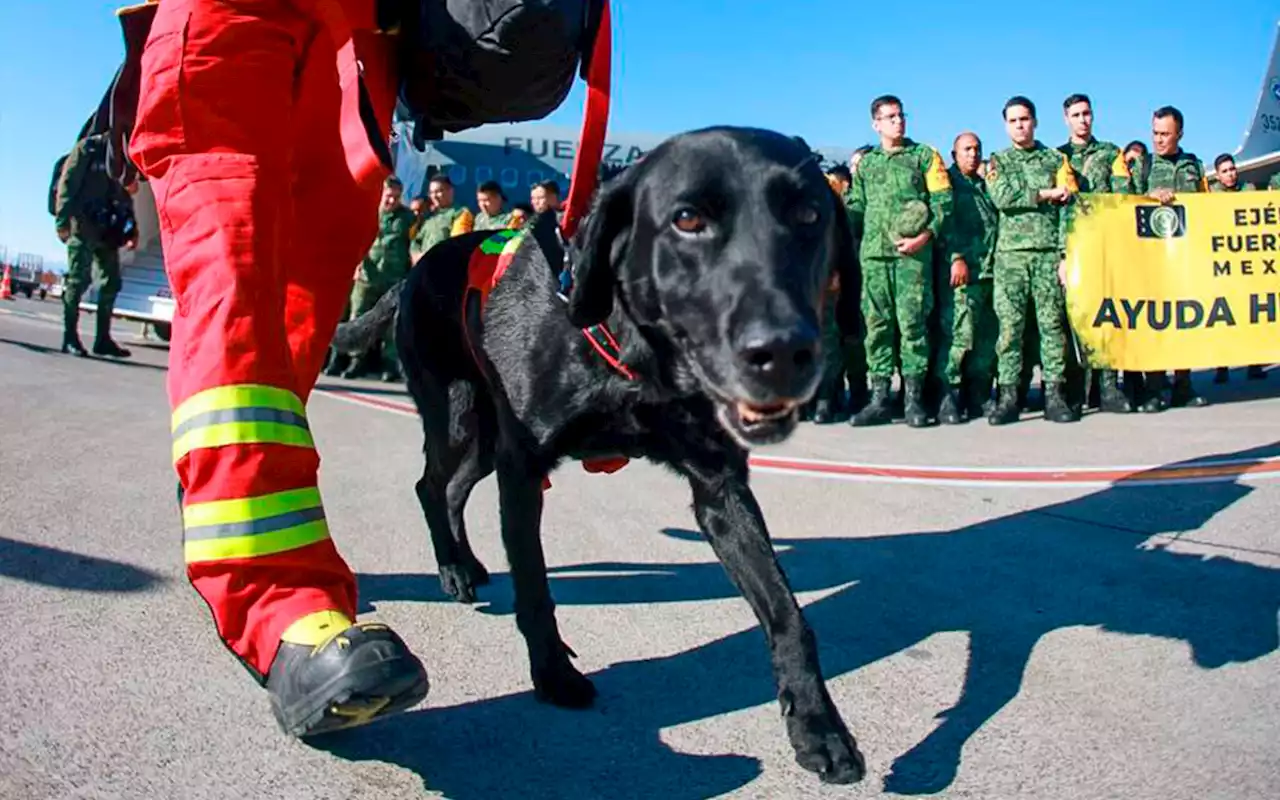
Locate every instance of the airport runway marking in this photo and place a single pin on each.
(1199, 471)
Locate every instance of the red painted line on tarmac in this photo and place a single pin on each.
(1192, 472)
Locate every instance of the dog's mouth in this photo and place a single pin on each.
(755, 424)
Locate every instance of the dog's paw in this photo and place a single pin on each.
(824, 745)
(562, 685)
(458, 582)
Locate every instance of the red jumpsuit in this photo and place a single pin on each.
(267, 177)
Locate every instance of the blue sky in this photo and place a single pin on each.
(808, 68)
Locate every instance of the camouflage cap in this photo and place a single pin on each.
(911, 220)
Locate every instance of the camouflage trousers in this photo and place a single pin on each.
(364, 296)
(967, 334)
(1029, 279)
(897, 295)
(88, 264)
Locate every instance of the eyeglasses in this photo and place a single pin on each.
(900, 116)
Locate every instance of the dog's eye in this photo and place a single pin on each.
(806, 215)
(688, 221)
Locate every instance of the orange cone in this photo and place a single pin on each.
(6, 288)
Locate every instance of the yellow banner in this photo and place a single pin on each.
(1191, 285)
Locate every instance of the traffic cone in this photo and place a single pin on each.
(6, 288)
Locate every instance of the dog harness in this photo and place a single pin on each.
(486, 266)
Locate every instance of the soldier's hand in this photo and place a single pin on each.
(64, 234)
(1163, 196)
(959, 273)
(1062, 272)
(131, 243)
(913, 244)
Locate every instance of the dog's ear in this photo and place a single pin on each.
(846, 266)
(604, 241)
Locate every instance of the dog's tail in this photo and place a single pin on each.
(358, 335)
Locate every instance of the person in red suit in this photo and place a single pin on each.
(258, 124)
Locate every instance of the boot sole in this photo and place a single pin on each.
(356, 697)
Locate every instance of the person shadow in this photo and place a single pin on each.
(1099, 560)
(62, 569)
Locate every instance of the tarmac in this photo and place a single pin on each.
(1035, 611)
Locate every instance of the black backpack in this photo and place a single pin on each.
(466, 63)
(53, 184)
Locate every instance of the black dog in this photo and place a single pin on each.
(706, 263)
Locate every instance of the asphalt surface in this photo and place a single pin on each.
(1080, 638)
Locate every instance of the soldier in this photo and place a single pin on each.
(901, 199)
(1274, 183)
(1228, 180)
(828, 403)
(490, 198)
(1228, 177)
(968, 320)
(1030, 185)
(94, 218)
(1173, 170)
(386, 263)
(1100, 168)
(442, 220)
(545, 196)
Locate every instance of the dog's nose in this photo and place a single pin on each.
(780, 360)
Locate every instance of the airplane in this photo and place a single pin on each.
(1258, 157)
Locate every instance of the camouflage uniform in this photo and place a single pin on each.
(1100, 169)
(1180, 173)
(98, 212)
(898, 194)
(385, 265)
(1030, 246)
(1274, 183)
(492, 222)
(1240, 186)
(967, 319)
(439, 225)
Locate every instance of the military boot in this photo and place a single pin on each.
(978, 401)
(1112, 400)
(1183, 394)
(1256, 373)
(1007, 407)
(913, 405)
(879, 409)
(1222, 375)
(330, 674)
(1153, 401)
(949, 409)
(71, 344)
(102, 343)
(1056, 407)
(823, 414)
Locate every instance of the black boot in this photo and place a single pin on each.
(102, 343)
(1007, 407)
(913, 406)
(355, 676)
(879, 409)
(949, 409)
(978, 402)
(1222, 375)
(1183, 395)
(71, 344)
(1056, 407)
(823, 413)
(1256, 373)
(1112, 400)
(1153, 401)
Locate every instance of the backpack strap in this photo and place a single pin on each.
(595, 122)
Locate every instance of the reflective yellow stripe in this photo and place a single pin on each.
(247, 509)
(241, 433)
(253, 526)
(247, 395)
(261, 544)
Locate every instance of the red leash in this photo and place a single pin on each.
(595, 122)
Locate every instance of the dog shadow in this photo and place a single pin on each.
(1006, 582)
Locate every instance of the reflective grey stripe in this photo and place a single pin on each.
(254, 527)
(241, 415)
